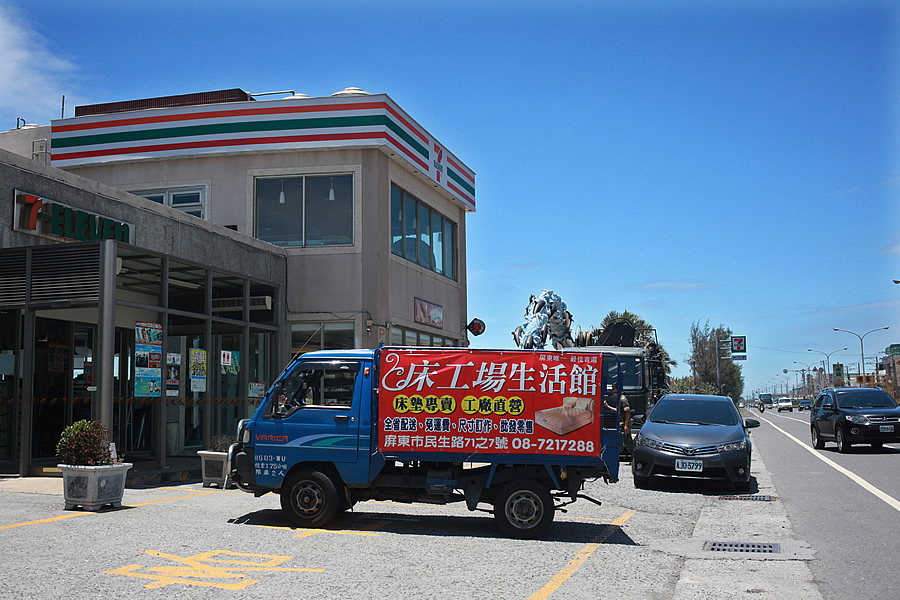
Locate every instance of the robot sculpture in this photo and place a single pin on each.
(545, 317)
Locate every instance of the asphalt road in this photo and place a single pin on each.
(847, 506)
(186, 541)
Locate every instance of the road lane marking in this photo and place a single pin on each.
(890, 500)
(580, 558)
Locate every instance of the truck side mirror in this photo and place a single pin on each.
(638, 420)
(751, 423)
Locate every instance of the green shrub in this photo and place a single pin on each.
(221, 442)
(84, 443)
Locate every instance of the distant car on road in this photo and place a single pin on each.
(693, 436)
(804, 405)
(785, 404)
(850, 416)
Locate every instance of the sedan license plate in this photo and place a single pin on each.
(886, 428)
(694, 466)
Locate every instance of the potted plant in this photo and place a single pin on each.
(212, 462)
(92, 477)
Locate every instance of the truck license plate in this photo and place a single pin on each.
(688, 465)
(886, 428)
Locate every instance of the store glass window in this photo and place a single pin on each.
(422, 235)
(401, 336)
(306, 210)
(322, 335)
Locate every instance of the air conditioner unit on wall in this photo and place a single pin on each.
(237, 304)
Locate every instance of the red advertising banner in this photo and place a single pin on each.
(489, 401)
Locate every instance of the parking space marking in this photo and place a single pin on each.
(49, 520)
(890, 500)
(579, 559)
(201, 569)
(168, 499)
(81, 514)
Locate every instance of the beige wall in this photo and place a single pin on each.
(324, 283)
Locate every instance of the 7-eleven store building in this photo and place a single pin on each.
(365, 208)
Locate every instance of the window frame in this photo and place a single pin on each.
(168, 193)
(415, 220)
(304, 241)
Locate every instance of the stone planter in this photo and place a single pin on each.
(94, 487)
(212, 465)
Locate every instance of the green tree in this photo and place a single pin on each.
(687, 385)
(703, 360)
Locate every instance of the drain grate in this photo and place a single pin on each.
(744, 547)
(761, 498)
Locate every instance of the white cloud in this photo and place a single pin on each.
(893, 249)
(32, 78)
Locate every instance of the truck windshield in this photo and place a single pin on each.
(309, 384)
(631, 372)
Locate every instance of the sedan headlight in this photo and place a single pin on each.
(649, 442)
(857, 419)
(732, 446)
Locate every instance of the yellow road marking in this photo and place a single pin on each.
(191, 570)
(173, 498)
(81, 514)
(579, 560)
(50, 520)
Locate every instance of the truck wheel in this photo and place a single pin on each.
(524, 509)
(309, 498)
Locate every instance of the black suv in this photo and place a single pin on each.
(850, 416)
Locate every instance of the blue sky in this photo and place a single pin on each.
(722, 161)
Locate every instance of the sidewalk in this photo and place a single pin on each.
(32, 485)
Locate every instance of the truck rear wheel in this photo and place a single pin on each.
(309, 498)
(524, 509)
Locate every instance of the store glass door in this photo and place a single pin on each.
(63, 380)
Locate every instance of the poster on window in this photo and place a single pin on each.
(173, 374)
(489, 402)
(198, 370)
(57, 358)
(147, 359)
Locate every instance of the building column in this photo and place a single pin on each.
(27, 422)
(106, 335)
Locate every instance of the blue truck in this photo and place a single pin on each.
(519, 430)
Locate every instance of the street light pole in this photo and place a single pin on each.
(803, 373)
(827, 358)
(862, 354)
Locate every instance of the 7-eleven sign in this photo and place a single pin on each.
(738, 344)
